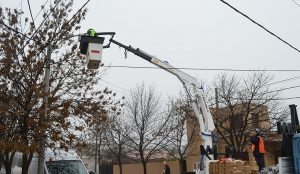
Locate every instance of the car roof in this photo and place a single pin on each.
(58, 154)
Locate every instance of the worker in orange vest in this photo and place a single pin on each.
(258, 148)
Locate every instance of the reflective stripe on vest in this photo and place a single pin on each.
(261, 146)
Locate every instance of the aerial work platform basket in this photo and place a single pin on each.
(92, 47)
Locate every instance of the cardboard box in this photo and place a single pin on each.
(252, 163)
(238, 172)
(240, 165)
(254, 172)
(230, 164)
(216, 168)
(211, 168)
(254, 167)
(247, 169)
(221, 168)
(230, 170)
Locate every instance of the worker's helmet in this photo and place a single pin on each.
(91, 32)
(258, 131)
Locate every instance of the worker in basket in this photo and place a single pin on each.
(258, 148)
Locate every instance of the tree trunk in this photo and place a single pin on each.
(120, 167)
(99, 152)
(1, 159)
(99, 160)
(144, 166)
(120, 164)
(26, 162)
(96, 153)
(7, 169)
(7, 160)
(182, 165)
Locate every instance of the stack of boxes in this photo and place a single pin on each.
(233, 167)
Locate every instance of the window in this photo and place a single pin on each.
(255, 120)
(66, 167)
(238, 121)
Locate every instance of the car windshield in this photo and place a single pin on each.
(66, 167)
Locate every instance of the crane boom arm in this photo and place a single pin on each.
(198, 102)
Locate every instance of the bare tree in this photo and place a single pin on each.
(115, 138)
(185, 130)
(149, 126)
(96, 133)
(245, 104)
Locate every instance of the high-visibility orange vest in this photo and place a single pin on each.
(261, 146)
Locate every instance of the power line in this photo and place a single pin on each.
(288, 98)
(72, 17)
(51, 10)
(59, 32)
(31, 13)
(117, 86)
(45, 45)
(16, 31)
(285, 80)
(296, 3)
(261, 26)
(283, 89)
(208, 69)
(43, 6)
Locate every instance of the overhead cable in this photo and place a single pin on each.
(284, 80)
(208, 69)
(288, 98)
(29, 6)
(43, 6)
(65, 24)
(296, 3)
(283, 89)
(261, 26)
(18, 32)
(51, 10)
(117, 86)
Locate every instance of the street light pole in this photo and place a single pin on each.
(43, 122)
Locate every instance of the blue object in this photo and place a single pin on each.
(296, 152)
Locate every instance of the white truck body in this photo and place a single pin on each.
(56, 162)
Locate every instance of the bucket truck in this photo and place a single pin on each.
(191, 86)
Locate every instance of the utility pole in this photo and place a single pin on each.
(96, 152)
(217, 99)
(217, 108)
(43, 118)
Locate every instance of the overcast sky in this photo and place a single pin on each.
(194, 34)
(198, 34)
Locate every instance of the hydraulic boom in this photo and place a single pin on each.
(91, 46)
(196, 97)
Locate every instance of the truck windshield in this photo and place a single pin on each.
(66, 167)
